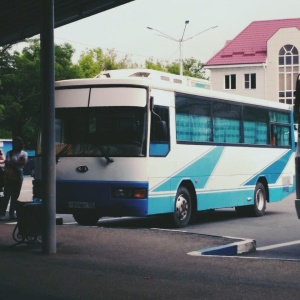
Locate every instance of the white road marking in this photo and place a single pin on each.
(278, 245)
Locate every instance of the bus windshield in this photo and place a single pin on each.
(101, 131)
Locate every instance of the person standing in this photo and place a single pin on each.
(15, 161)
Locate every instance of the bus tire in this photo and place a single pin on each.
(258, 208)
(86, 218)
(182, 208)
(260, 201)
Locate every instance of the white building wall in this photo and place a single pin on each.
(282, 37)
(217, 77)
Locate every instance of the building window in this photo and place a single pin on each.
(250, 81)
(288, 64)
(230, 82)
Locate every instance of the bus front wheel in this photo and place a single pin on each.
(182, 208)
(86, 218)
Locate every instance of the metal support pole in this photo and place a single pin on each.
(180, 59)
(48, 128)
(180, 41)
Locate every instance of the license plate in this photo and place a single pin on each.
(82, 205)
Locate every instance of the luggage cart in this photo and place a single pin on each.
(29, 226)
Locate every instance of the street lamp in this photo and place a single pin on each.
(180, 41)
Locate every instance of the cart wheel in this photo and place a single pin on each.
(17, 236)
(38, 239)
(30, 239)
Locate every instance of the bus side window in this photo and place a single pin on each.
(273, 135)
(159, 132)
(255, 127)
(280, 135)
(280, 129)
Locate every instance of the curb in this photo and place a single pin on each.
(233, 249)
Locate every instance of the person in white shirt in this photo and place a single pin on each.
(15, 161)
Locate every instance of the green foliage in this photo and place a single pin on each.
(92, 62)
(20, 89)
(191, 67)
(173, 68)
(150, 64)
(64, 68)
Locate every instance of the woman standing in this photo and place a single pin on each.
(15, 161)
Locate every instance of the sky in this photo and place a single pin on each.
(124, 28)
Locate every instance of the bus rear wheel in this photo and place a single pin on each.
(86, 218)
(182, 208)
(260, 201)
(258, 208)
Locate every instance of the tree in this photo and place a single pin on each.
(6, 66)
(191, 67)
(150, 64)
(20, 95)
(93, 61)
(64, 68)
(173, 68)
(90, 62)
(111, 61)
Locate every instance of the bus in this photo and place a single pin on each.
(143, 147)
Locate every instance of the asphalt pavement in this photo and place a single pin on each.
(135, 262)
(113, 263)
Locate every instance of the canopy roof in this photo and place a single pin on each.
(20, 19)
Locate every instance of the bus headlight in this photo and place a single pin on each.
(125, 192)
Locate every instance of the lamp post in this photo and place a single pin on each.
(180, 41)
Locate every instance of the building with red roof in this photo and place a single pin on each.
(262, 61)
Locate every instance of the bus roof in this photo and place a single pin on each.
(169, 86)
(156, 75)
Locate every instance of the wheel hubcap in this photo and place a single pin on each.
(182, 207)
(260, 199)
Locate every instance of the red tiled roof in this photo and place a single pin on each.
(250, 46)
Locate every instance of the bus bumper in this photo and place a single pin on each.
(74, 196)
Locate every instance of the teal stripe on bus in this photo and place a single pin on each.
(201, 168)
(273, 171)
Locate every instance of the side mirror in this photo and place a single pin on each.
(151, 103)
(162, 129)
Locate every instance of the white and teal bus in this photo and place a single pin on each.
(142, 147)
